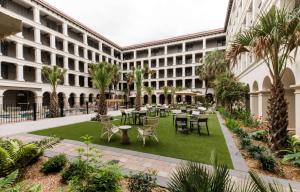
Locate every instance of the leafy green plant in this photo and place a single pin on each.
(268, 162)
(77, 169)
(55, 164)
(255, 151)
(240, 132)
(292, 152)
(16, 155)
(260, 135)
(245, 142)
(7, 184)
(142, 182)
(231, 123)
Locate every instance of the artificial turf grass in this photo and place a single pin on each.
(182, 146)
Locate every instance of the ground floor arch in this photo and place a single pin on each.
(18, 97)
(153, 99)
(46, 99)
(71, 100)
(146, 99)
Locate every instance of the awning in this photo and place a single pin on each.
(9, 25)
(186, 92)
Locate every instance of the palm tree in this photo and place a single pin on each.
(54, 76)
(129, 77)
(275, 36)
(139, 74)
(173, 92)
(214, 64)
(101, 75)
(149, 91)
(116, 78)
(165, 90)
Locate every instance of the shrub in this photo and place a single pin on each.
(268, 162)
(106, 179)
(255, 151)
(231, 123)
(260, 135)
(142, 182)
(240, 132)
(245, 142)
(77, 169)
(54, 164)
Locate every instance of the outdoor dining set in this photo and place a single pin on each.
(147, 120)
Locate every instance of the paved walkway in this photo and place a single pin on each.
(137, 161)
(29, 126)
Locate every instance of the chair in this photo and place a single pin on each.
(149, 129)
(181, 123)
(108, 129)
(162, 112)
(126, 116)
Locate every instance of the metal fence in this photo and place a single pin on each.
(10, 113)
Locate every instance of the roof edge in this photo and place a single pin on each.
(230, 3)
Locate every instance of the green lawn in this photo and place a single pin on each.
(189, 147)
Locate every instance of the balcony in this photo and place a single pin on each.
(75, 34)
(153, 63)
(170, 61)
(170, 73)
(50, 22)
(18, 7)
(59, 44)
(117, 54)
(216, 42)
(188, 59)
(93, 43)
(106, 49)
(161, 62)
(46, 57)
(128, 55)
(71, 79)
(178, 72)
(60, 61)
(194, 46)
(29, 53)
(157, 51)
(71, 48)
(8, 71)
(28, 32)
(161, 74)
(8, 48)
(142, 54)
(179, 60)
(71, 64)
(188, 71)
(45, 38)
(81, 52)
(173, 49)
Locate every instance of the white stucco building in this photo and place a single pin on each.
(51, 38)
(241, 15)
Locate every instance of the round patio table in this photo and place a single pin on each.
(125, 138)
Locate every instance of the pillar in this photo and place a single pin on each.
(65, 29)
(38, 57)
(76, 63)
(53, 59)
(193, 84)
(203, 84)
(85, 38)
(66, 49)
(1, 70)
(86, 67)
(263, 104)
(254, 103)
(204, 43)
(39, 99)
(77, 101)
(77, 80)
(20, 71)
(52, 41)
(85, 53)
(66, 102)
(66, 62)
(19, 51)
(37, 35)
(36, 15)
(76, 50)
(66, 79)
(157, 99)
(38, 75)
(297, 109)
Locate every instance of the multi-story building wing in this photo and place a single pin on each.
(241, 15)
(50, 37)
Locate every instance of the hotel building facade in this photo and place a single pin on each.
(242, 14)
(50, 37)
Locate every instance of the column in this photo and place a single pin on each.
(263, 104)
(65, 46)
(66, 62)
(254, 103)
(38, 58)
(37, 35)
(85, 53)
(183, 47)
(38, 74)
(19, 51)
(85, 38)
(0, 70)
(193, 58)
(157, 99)
(76, 63)
(76, 50)
(204, 44)
(193, 83)
(53, 59)
(77, 80)
(174, 83)
(100, 48)
(183, 71)
(203, 84)
(166, 50)
(20, 71)
(166, 73)
(52, 41)
(66, 102)
(65, 29)
(1, 95)
(183, 83)
(86, 67)
(297, 109)
(174, 72)
(93, 57)
(36, 15)
(66, 79)
(86, 82)
(39, 98)
(77, 101)
(193, 70)
(157, 85)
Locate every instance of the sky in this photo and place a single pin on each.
(128, 22)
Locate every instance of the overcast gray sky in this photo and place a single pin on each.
(128, 22)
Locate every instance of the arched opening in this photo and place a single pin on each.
(82, 99)
(264, 96)
(61, 99)
(254, 99)
(188, 99)
(288, 79)
(91, 98)
(46, 99)
(146, 100)
(18, 98)
(161, 99)
(71, 100)
(153, 99)
(178, 99)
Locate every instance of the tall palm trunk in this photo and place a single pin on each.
(150, 99)
(138, 101)
(102, 107)
(53, 108)
(277, 116)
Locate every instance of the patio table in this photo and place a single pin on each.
(139, 115)
(125, 138)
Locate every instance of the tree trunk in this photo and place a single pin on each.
(53, 108)
(102, 108)
(138, 101)
(150, 99)
(277, 116)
